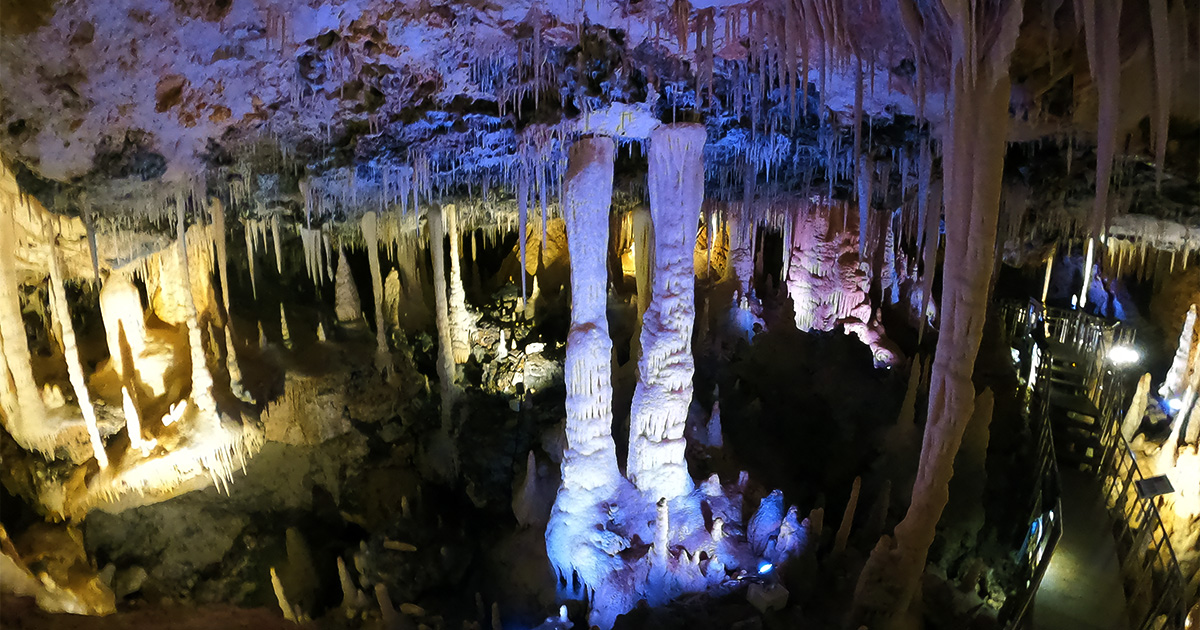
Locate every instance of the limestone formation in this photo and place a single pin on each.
(664, 391)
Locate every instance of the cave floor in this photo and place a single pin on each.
(1082, 587)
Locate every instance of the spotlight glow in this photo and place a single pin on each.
(1124, 355)
(765, 568)
(1174, 404)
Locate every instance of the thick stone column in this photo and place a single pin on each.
(579, 552)
(974, 166)
(590, 459)
(664, 390)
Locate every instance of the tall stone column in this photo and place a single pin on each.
(26, 425)
(974, 165)
(664, 389)
(590, 477)
(445, 365)
(590, 459)
(460, 320)
(370, 232)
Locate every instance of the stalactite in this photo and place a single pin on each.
(1164, 80)
(370, 232)
(62, 313)
(460, 318)
(202, 382)
(248, 231)
(216, 209)
(523, 227)
(643, 257)
(931, 241)
(328, 246)
(1101, 23)
(25, 426)
(664, 389)
(445, 365)
(277, 240)
(975, 148)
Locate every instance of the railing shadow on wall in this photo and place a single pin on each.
(1153, 582)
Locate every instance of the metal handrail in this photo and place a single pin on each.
(1044, 529)
(1146, 553)
(1148, 556)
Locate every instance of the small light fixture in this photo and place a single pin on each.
(765, 567)
(1174, 405)
(1123, 355)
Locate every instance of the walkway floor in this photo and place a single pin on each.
(1082, 587)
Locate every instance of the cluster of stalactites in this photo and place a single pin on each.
(178, 281)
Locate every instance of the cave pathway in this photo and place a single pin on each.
(1082, 587)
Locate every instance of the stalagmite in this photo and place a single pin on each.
(280, 597)
(662, 533)
(62, 314)
(133, 422)
(284, 333)
(1087, 273)
(664, 389)
(391, 300)
(346, 303)
(715, 438)
(370, 232)
(1168, 455)
(1191, 417)
(843, 532)
(974, 165)
(121, 310)
(460, 319)
(1137, 409)
(1176, 380)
